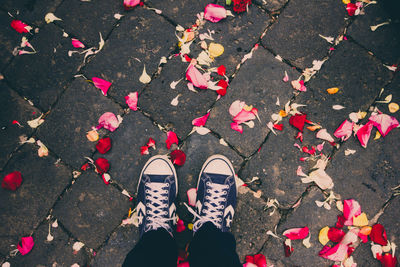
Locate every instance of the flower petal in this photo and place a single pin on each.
(236, 127)
(103, 145)
(201, 121)
(103, 85)
(244, 116)
(12, 181)
(129, 4)
(20, 27)
(26, 245)
(196, 77)
(191, 195)
(323, 235)
(324, 135)
(364, 133)
(151, 143)
(345, 130)
(384, 123)
(178, 157)
(109, 121)
(171, 139)
(296, 233)
(236, 107)
(378, 234)
(337, 253)
(102, 165)
(351, 208)
(214, 13)
(77, 44)
(335, 235)
(132, 100)
(298, 121)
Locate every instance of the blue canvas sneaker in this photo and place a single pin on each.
(216, 194)
(157, 190)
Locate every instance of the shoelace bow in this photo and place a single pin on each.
(157, 207)
(212, 207)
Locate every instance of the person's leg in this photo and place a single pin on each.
(213, 244)
(156, 211)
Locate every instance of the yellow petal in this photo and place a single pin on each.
(282, 113)
(332, 90)
(377, 135)
(323, 235)
(362, 114)
(393, 107)
(248, 108)
(190, 226)
(92, 136)
(346, 1)
(215, 50)
(360, 220)
(366, 230)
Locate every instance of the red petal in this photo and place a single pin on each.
(378, 234)
(224, 84)
(364, 133)
(235, 126)
(249, 259)
(19, 26)
(201, 121)
(85, 167)
(351, 9)
(77, 44)
(345, 130)
(178, 157)
(298, 121)
(12, 181)
(388, 260)
(144, 150)
(103, 145)
(296, 233)
(335, 234)
(103, 85)
(384, 123)
(221, 70)
(288, 250)
(260, 260)
(151, 143)
(300, 136)
(337, 253)
(279, 127)
(340, 221)
(26, 245)
(171, 139)
(102, 165)
(187, 58)
(180, 226)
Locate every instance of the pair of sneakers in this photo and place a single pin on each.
(158, 188)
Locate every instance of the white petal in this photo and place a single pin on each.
(202, 130)
(337, 107)
(50, 17)
(173, 84)
(144, 78)
(175, 101)
(77, 246)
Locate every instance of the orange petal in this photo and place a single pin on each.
(314, 127)
(366, 230)
(282, 113)
(332, 90)
(393, 107)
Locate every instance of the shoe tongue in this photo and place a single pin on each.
(217, 178)
(156, 178)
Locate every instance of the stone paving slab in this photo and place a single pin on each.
(91, 210)
(86, 19)
(385, 40)
(258, 83)
(181, 12)
(238, 35)
(31, 11)
(295, 37)
(315, 218)
(357, 89)
(156, 99)
(25, 208)
(13, 108)
(141, 39)
(77, 111)
(9, 39)
(271, 5)
(41, 77)
(113, 253)
(58, 252)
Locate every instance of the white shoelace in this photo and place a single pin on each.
(212, 207)
(156, 214)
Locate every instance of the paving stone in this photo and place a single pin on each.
(124, 156)
(357, 89)
(142, 39)
(392, 89)
(41, 77)
(295, 36)
(276, 164)
(78, 109)
(58, 252)
(251, 223)
(91, 210)
(315, 218)
(86, 19)
(13, 108)
(31, 11)
(258, 83)
(25, 208)
(363, 256)
(237, 35)
(385, 40)
(390, 222)
(113, 253)
(181, 12)
(372, 171)
(271, 5)
(9, 39)
(156, 99)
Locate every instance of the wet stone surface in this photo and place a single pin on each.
(41, 77)
(91, 210)
(57, 252)
(156, 99)
(124, 156)
(271, 5)
(65, 129)
(301, 218)
(25, 208)
(113, 253)
(385, 40)
(141, 39)
(13, 107)
(357, 89)
(9, 39)
(295, 36)
(258, 83)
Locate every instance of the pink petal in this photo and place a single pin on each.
(194, 76)
(249, 264)
(236, 127)
(26, 245)
(19, 26)
(214, 13)
(299, 85)
(132, 100)
(300, 172)
(344, 131)
(201, 121)
(296, 233)
(171, 139)
(108, 121)
(128, 4)
(384, 123)
(77, 44)
(337, 253)
(103, 85)
(320, 147)
(144, 150)
(236, 107)
(324, 135)
(364, 133)
(191, 195)
(351, 208)
(286, 77)
(244, 116)
(180, 226)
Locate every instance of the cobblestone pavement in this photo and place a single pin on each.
(59, 203)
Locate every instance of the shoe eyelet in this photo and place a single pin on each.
(147, 191)
(167, 184)
(208, 191)
(147, 205)
(208, 183)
